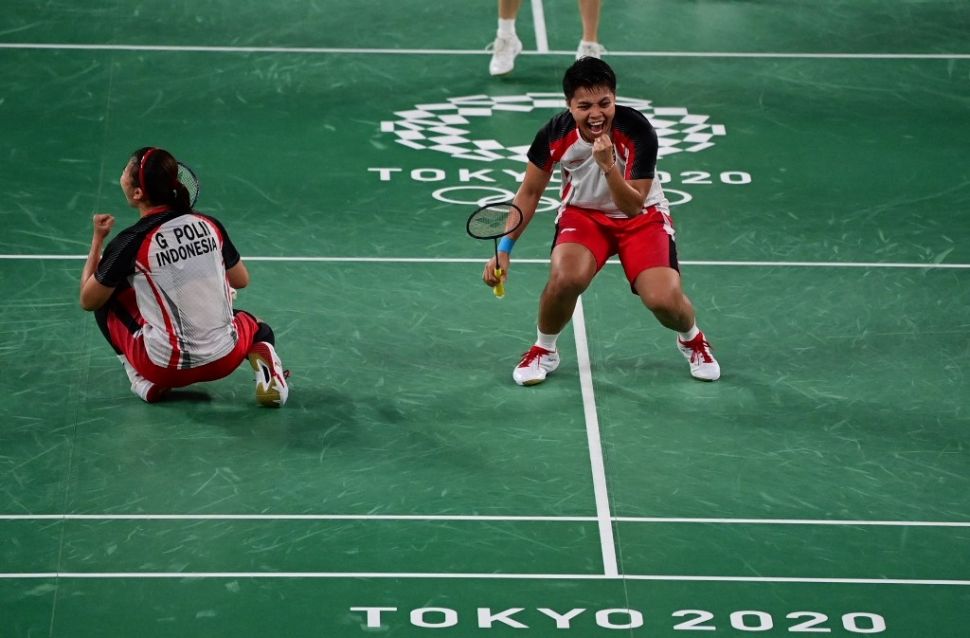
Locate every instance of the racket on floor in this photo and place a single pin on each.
(494, 221)
(191, 183)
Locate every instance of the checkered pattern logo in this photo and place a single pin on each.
(446, 127)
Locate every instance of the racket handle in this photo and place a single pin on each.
(499, 288)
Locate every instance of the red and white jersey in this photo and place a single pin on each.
(583, 183)
(176, 262)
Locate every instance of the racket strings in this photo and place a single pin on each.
(191, 183)
(494, 221)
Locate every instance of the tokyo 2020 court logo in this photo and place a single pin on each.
(446, 127)
(459, 127)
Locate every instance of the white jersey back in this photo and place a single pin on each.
(176, 263)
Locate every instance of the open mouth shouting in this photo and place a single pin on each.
(597, 126)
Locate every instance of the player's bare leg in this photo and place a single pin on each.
(508, 9)
(661, 292)
(507, 44)
(573, 268)
(589, 11)
(589, 46)
(570, 273)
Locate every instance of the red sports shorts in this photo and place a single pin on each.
(133, 347)
(644, 241)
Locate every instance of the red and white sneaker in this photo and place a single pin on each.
(271, 388)
(697, 351)
(535, 365)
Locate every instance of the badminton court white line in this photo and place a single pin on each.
(787, 521)
(475, 260)
(483, 576)
(475, 518)
(295, 517)
(376, 51)
(539, 22)
(604, 518)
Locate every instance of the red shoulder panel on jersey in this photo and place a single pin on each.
(627, 148)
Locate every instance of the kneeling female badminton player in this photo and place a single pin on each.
(162, 290)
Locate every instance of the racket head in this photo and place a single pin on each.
(493, 220)
(190, 181)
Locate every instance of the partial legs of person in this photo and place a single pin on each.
(661, 292)
(115, 318)
(271, 387)
(571, 271)
(507, 44)
(589, 46)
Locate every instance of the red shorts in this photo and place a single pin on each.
(130, 342)
(644, 241)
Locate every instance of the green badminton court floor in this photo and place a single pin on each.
(816, 154)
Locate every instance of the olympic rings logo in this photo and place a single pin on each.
(495, 194)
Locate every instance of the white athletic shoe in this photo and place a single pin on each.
(535, 365)
(590, 50)
(697, 351)
(504, 50)
(145, 389)
(271, 388)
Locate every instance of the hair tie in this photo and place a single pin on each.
(141, 168)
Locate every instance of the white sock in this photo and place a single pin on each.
(587, 43)
(129, 369)
(546, 341)
(506, 28)
(133, 374)
(690, 334)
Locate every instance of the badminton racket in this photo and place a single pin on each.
(494, 221)
(191, 183)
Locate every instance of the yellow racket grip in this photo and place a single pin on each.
(499, 288)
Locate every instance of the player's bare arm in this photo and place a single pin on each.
(93, 293)
(628, 195)
(527, 199)
(238, 275)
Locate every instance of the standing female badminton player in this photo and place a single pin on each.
(162, 290)
(611, 204)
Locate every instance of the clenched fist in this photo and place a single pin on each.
(103, 224)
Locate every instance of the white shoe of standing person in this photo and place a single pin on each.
(590, 50)
(535, 365)
(698, 353)
(504, 50)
